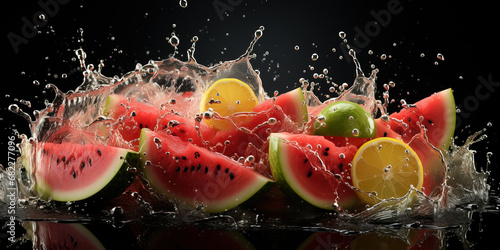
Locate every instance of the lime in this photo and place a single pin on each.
(387, 167)
(227, 96)
(345, 119)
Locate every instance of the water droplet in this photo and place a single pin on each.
(383, 57)
(272, 121)
(341, 156)
(440, 56)
(296, 47)
(183, 3)
(422, 55)
(342, 35)
(174, 40)
(42, 17)
(314, 57)
(36, 82)
(355, 132)
(489, 124)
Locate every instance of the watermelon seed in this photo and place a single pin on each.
(57, 161)
(183, 157)
(231, 176)
(198, 168)
(430, 122)
(82, 165)
(326, 153)
(206, 170)
(178, 169)
(309, 173)
(218, 167)
(185, 169)
(99, 152)
(192, 168)
(196, 155)
(306, 160)
(74, 175)
(327, 148)
(227, 170)
(64, 159)
(90, 162)
(385, 134)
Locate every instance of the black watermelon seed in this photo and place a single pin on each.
(341, 166)
(192, 168)
(185, 169)
(409, 119)
(74, 175)
(196, 155)
(99, 152)
(90, 162)
(309, 173)
(430, 122)
(82, 165)
(57, 161)
(227, 170)
(141, 126)
(306, 160)
(385, 134)
(231, 176)
(178, 169)
(183, 157)
(206, 170)
(327, 148)
(177, 158)
(218, 167)
(325, 153)
(198, 168)
(64, 159)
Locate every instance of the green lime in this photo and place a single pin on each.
(347, 119)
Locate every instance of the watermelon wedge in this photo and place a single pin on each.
(134, 115)
(74, 172)
(195, 176)
(437, 114)
(312, 169)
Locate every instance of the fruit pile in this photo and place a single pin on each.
(332, 156)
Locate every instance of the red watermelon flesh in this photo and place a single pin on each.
(73, 172)
(436, 113)
(196, 176)
(136, 115)
(313, 169)
(284, 113)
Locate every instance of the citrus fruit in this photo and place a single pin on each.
(227, 96)
(386, 166)
(344, 118)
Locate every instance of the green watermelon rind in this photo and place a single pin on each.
(451, 114)
(278, 162)
(261, 185)
(112, 183)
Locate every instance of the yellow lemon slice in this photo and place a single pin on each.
(227, 96)
(387, 167)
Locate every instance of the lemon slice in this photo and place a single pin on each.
(227, 96)
(386, 166)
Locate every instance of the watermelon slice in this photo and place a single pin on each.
(312, 169)
(284, 113)
(74, 172)
(437, 113)
(134, 115)
(196, 176)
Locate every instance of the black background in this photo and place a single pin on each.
(125, 33)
